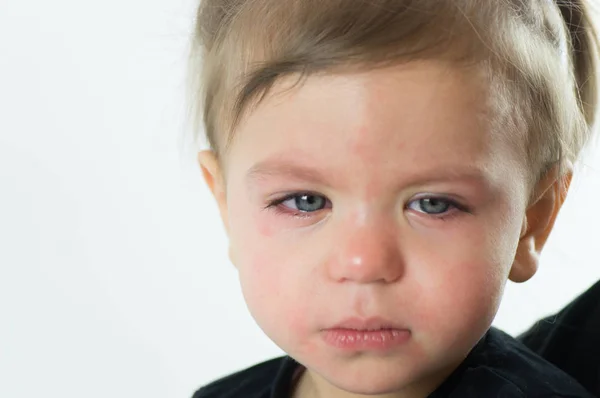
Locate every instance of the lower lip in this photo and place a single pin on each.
(377, 340)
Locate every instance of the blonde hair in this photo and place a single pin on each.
(541, 57)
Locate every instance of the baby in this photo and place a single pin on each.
(382, 168)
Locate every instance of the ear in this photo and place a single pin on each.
(550, 194)
(211, 170)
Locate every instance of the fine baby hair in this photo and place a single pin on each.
(540, 55)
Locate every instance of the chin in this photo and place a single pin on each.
(374, 387)
(375, 380)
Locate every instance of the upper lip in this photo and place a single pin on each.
(372, 323)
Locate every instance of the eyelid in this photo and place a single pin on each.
(276, 203)
(455, 207)
(444, 198)
(291, 195)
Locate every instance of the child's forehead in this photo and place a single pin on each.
(417, 101)
(410, 127)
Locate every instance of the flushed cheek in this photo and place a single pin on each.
(273, 294)
(264, 223)
(474, 281)
(464, 303)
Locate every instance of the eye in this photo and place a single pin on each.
(299, 203)
(302, 204)
(434, 206)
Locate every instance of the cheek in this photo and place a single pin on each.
(260, 283)
(476, 290)
(264, 224)
(462, 283)
(273, 293)
(468, 290)
(251, 255)
(270, 276)
(457, 306)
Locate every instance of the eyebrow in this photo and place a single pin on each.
(286, 168)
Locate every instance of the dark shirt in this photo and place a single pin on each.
(499, 366)
(570, 339)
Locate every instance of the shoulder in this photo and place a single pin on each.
(503, 365)
(570, 339)
(253, 382)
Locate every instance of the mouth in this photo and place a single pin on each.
(370, 334)
(367, 324)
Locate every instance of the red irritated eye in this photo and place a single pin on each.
(302, 204)
(299, 204)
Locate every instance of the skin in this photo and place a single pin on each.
(362, 243)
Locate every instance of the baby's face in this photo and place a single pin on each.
(380, 194)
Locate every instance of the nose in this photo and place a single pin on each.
(367, 253)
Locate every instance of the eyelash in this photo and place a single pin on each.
(275, 205)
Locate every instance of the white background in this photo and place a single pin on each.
(114, 277)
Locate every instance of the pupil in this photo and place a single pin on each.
(312, 201)
(434, 206)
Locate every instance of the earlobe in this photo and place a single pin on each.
(213, 177)
(526, 261)
(539, 220)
